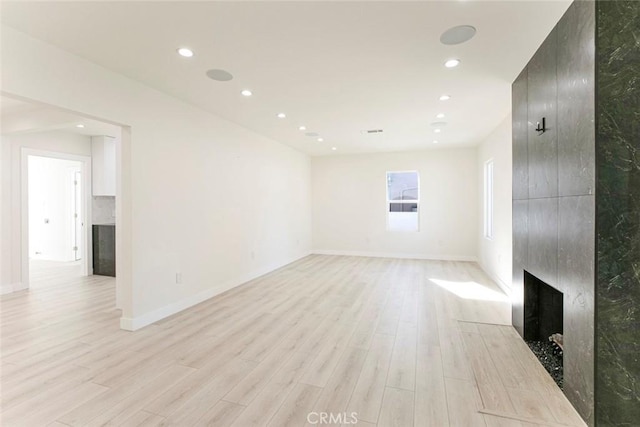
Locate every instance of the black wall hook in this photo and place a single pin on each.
(542, 129)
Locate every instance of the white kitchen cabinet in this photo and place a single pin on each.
(103, 165)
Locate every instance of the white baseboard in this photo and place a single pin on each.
(396, 255)
(506, 289)
(11, 287)
(133, 324)
(503, 286)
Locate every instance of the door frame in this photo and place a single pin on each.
(78, 180)
(85, 167)
(124, 216)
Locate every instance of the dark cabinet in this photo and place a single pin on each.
(104, 250)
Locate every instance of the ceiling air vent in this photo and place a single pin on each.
(312, 134)
(372, 131)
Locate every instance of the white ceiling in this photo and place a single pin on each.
(336, 67)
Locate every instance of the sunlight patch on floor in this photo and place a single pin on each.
(471, 290)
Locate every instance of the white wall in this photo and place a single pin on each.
(12, 145)
(350, 212)
(495, 255)
(6, 254)
(174, 207)
(51, 208)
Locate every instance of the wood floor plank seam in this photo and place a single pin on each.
(386, 380)
(353, 389)
(521, 418)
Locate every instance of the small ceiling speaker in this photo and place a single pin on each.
(219, 75)
(458, 35)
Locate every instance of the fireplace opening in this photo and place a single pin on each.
(543, 315)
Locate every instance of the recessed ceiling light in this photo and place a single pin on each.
(320, 139)
(334, 148)
(457, 35)
(437, 131)
(219, 75)
(445, 98)
(302, 128)
(246, 92)
(435, 141)
(451, 63)
(186, 52)
(281, 115)
(80, 126)
(440, 115)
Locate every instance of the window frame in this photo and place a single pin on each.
(414, 201)
(489, 199)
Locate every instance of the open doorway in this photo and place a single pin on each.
(63, 171)
(57, 217)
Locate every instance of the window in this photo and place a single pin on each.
(403, 198)
(488, 199)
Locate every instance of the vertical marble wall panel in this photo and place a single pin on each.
(576, 96)
(519, 112)
(542, 247)
(520, 213)
(618, 213)
(576, 278)
(542, 97)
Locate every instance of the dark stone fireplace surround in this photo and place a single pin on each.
(576, 198)
(553, 189)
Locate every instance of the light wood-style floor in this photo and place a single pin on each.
(399, 342)
(45, 274)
